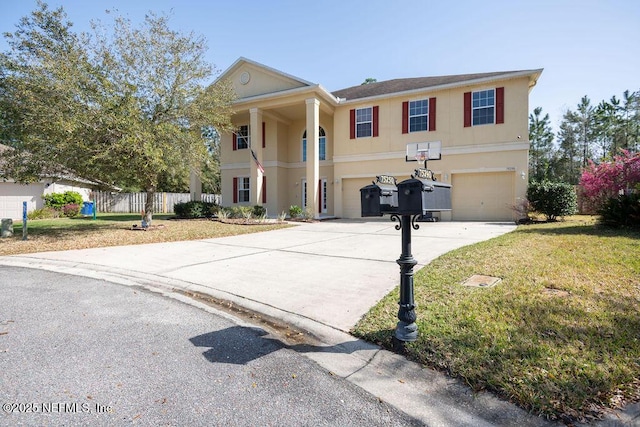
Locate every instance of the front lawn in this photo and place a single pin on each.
(559, 335)
(116, 230)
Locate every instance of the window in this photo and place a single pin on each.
(483, 107)
(364, 122)
(323, 195)
(322, 188)
(243, 137)
(322, 145)
(418, 115)
(243, 189)
(304, 194)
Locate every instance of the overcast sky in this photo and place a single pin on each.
(586, 47)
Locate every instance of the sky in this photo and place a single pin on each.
(586, 47)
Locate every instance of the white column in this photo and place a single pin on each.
(313, 155)
(255, 126)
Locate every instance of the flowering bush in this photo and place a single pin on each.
(612, 188)
(71, 210)
(609, 179)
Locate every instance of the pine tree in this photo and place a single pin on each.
(541, 140)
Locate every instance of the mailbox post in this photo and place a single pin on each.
(406, 202)
(406, 329)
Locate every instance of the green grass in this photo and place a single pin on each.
(116, 230)
(559, 335)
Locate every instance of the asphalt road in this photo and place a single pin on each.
(79, 351)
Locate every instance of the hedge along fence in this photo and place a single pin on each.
(134, 202)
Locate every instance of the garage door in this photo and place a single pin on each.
(351, 196)
(482, 196)
(12, 195)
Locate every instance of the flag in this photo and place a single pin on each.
(255, 158)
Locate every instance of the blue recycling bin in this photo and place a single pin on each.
(87, 209)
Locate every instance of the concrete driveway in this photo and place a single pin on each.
(329, 273)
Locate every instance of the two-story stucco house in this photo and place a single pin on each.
(298, 144)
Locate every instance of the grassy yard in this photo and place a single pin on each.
(559, 335)
(115, 230)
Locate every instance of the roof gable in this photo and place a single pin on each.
(424, 83)
(250, 78)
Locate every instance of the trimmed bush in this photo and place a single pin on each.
(553, 199)
(193, 209)
(59, 200)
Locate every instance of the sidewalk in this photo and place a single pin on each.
(321, 278)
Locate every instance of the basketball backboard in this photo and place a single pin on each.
(422, 151)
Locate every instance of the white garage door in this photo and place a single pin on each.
(482, 196)
(12, 195)
(351, 196)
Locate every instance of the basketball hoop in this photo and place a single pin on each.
(424, 151)
(422, 156)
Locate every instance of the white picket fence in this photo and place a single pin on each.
(134, 202)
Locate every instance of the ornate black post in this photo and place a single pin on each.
(406, 330)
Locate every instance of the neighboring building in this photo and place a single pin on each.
(13, 194)
(317, 149)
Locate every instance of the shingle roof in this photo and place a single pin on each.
(404, 85)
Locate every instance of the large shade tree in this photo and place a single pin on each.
(121, 104)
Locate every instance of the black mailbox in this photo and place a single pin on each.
(419, 196)
(379, 198)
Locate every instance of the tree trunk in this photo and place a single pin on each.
(148, 208)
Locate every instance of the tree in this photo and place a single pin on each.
(584, 120)
(607, 124)
(122, 105)
(368, 80)
(630, 112)
(566, 162)
(541, 138)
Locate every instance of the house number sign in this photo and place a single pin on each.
(386, 179)
(424, 174)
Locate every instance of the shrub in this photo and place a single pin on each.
(216, 210)
(609, 179)
(259, 211)
(522, 208)
(553, 199)
(295, 211)
(71, 210)
(44, 213)
(308, 213)
(239, 212)
(59, 200)
(621, 211)
(193, 209)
